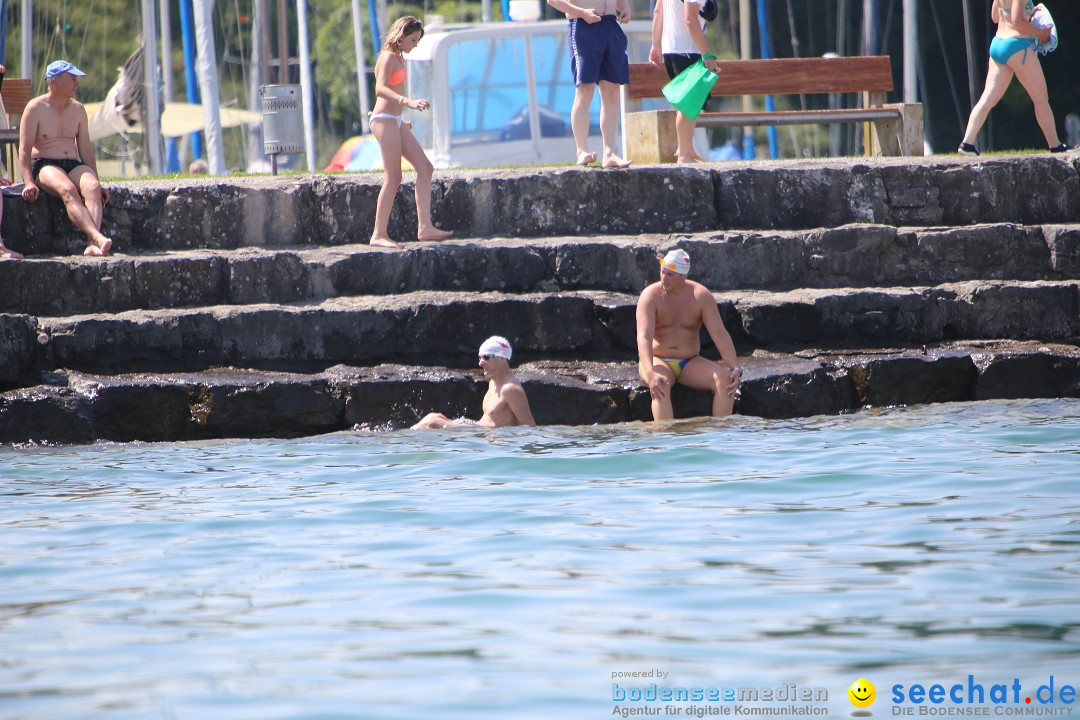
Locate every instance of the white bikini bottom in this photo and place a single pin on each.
(384, 116)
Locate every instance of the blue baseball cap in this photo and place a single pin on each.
(61, 66)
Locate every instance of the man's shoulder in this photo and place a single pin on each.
(35, 103)
(650, 291)
(512, 383)
(700, 291)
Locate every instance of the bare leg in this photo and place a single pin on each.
(702, 374)
(661, 408)
(579, 122)
(388, 135)
(998, 78)
(684, 134)
(1031, 77)
(55, 181)
(609, 124)
(410, 148)
(433, 421)
(6, 254)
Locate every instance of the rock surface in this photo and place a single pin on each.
(245, 307)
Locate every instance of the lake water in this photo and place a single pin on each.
(511, 574)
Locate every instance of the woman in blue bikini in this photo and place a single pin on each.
(1012, 52)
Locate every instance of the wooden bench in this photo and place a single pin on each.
(893, 129)
(16, 93)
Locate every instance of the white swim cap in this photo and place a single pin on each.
(677, 261)
(497, 346)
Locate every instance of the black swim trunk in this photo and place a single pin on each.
(65, 164)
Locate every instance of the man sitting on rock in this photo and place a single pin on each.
(670, 314)
(505, 402)
(56, 155)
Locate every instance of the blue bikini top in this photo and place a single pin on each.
(1029, 7)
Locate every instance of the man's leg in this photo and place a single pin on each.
(579, 122)
(6, 254)
(609, 124)
(56, 182)
(661, 406)
(684, 134)
(432, 421)
(702, 374)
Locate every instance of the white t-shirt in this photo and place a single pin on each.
(675, 38)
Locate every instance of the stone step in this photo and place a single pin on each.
(76, 407)
(848, 256)
(225, 212)
(440, 328)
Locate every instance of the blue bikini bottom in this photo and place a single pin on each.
(1001, 49)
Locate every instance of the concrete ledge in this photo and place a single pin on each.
(847, 256)
(446, 328)
(241, 403)
(337, 210)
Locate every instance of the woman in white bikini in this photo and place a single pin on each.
(395, 135)
(1012, 52)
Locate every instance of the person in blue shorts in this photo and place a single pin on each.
(1012, 52)
(597, 57)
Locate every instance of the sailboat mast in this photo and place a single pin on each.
(208, 82)
(172, 153)
(307, 83)
(27, 66)
(152, 90)
(361, 65)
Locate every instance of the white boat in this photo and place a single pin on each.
(501, 93)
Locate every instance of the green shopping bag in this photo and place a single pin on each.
(688, 90)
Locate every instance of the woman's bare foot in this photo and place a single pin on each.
(688, 161)
(586, 158)
(433, 233)
(385, 242)
(6, 254)
(98, 248)
(615, 162)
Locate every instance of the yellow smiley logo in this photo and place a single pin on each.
(862, 693)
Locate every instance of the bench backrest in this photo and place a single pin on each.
(16, 92)
(781, 76)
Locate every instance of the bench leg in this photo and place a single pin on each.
(884, 138)
(903, 136)
(650, 137)
(911, 135)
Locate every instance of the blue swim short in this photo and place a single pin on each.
(1001, 49)
(598, 52)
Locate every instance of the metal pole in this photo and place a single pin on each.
(204, 36)
(911, 51)
(969, 38)
(744, 52)
(27, 29)
(307, 84)
(283, 45)
(263, 16)
(3, 32)
(871, 38)
(191, 75)
(151, 89)
(172, 152)
(361, 65)
(766, 53)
